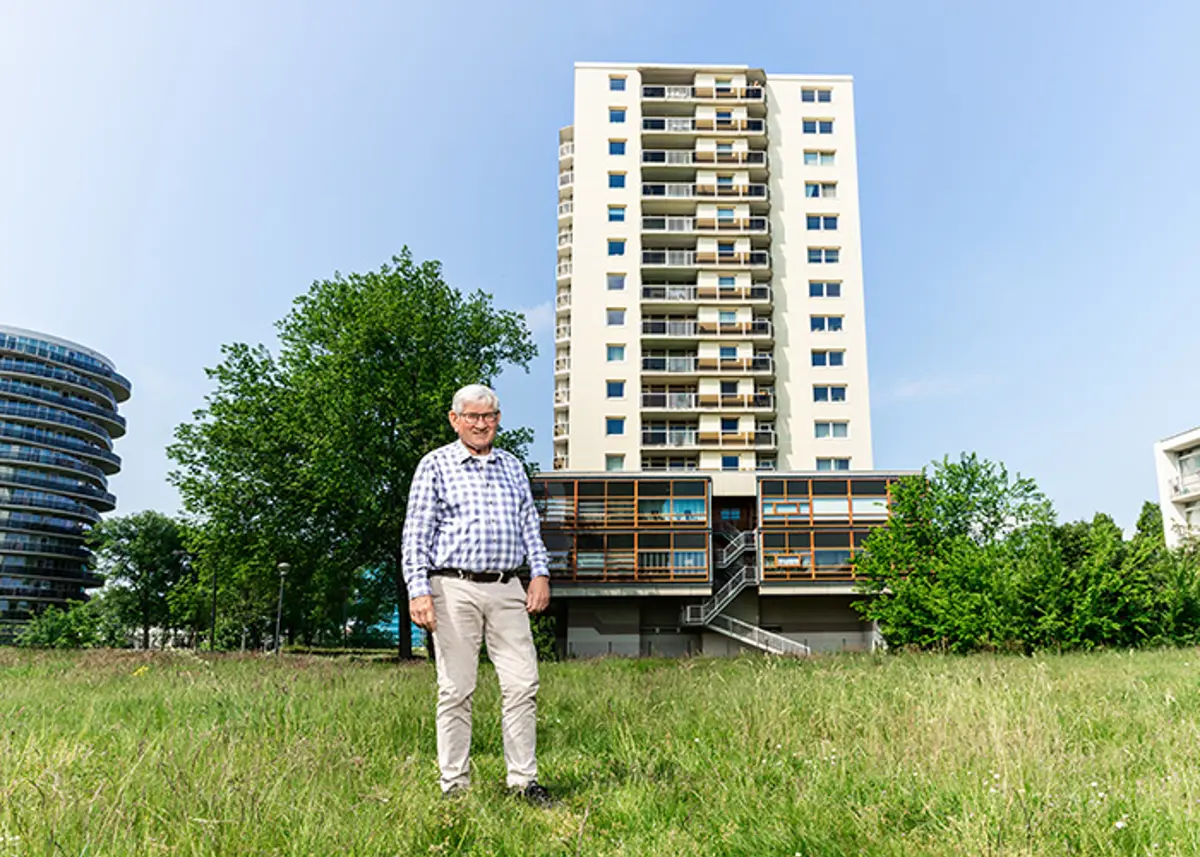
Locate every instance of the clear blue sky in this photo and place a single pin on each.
(172, 174)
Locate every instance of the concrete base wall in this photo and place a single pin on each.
(650, 626)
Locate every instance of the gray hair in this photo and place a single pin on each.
(476, 394)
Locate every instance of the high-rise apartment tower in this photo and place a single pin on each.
(709, 281)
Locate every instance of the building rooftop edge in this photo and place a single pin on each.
(1180, 436)
(58, 340)
(712, 67)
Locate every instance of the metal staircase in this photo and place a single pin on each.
(708, 613)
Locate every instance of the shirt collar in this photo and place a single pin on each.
(464, 454)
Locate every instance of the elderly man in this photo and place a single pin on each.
(471, 522)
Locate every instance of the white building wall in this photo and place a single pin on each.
(1177, 468)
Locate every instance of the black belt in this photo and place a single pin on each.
(474, 576)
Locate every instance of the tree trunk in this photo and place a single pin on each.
(404, 625)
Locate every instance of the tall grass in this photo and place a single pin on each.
(133, 754)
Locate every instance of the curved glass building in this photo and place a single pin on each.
(58, 419)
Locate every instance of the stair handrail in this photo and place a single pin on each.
(755, 636)
(737, 545)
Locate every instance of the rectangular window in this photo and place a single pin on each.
(614, 426)
(727, 316)
(724, 181)
(822, 222)
(614, 462)
(616, 389)
(616, 247)
(728, 352)
(825, 323)
(726, 282)
(822, 255)
(825, 464)
(724, 147)
(725, 248)
(816, 96)
(821, 357)
(616, 84)
(725, 214)
(729, 388)
(729, 462)
(616, 317)
(616, 214)
(818, 158)
(616, 180)
(616, 114)
(825, 126)
(829, 393)
(729, 425)
(824, 290)
(823, 429)
(616, 354)
(616, 147)
(616, 282)
(820, 190)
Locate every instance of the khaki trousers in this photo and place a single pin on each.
(468, 613)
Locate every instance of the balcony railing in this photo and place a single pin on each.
(563, 331)
(562, 300)
(562, 396)
(669, 437)
(566, 150)
(566, 179)
(560, 462)
(682, 364)
(663, 327)
(1185, 487)
(564, 269)
(752, 327)
(690, 125)
(561, 430)
(565, 238)
(696, 258)
(705, 224)
(691, 293)
(692, 157)
(566, 208)
(562, 363)
(736, 440)
(696, 93)
(707, 401)
(703, 190)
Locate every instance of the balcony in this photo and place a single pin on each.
(562, 396)
(667, 258)
(563, 331)
(560, 462)
(566, 183)
(737, 440)
(564, 270)
(693, 401)
(669, 328)
(562, 300)
(757, 327)
(677, 293)
(565, 238)
(1185, 488)
(705, 190)
(562, 363)
(566, 150)
(753, 94)
(702, 157)
(690, 364)
(706, 225)
(561, 430)
(693, 125)
(566, 208)
(670, 437)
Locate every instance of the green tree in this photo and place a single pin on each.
(142, 554)
(309, 457)
(97, 622)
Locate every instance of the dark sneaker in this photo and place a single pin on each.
(536, 794)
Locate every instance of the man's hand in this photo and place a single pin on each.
(420, 610)
(537, 597)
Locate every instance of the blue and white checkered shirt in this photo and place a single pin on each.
(471, 512)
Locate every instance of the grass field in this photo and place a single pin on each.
(123, 753)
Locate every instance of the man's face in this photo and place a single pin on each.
(476, 425)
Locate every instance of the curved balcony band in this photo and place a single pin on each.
(25, 390)
(13, 453)
(28, 368)
(54, 352)
(58, 418)
(55, 440)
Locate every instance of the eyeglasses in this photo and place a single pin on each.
(475, 419)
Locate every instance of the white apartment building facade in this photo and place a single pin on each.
(1177, 467)
(709, 283)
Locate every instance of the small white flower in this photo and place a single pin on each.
(1095, 784)
(1119, 824)
(995, 776)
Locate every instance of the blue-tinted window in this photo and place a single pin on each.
(616, 147)
(616, 248)
(831, 255)
(829, 222)
(729, 424)
(616, 84)
(837, 394)
(616, 282)
(728, 352)
(727, 282)
(616, 353)
(729, 462)
(825, 126)
(616, 214)
(810, 126)
(616, 317)
(616, 180)
(808, 96)
(616, 114)
(616, 389)
(614, 425)
(824, 96)
(820, 394)
(614, 462)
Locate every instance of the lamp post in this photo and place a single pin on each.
(283, 570)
